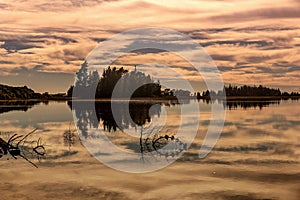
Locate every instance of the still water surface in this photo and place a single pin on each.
(256, 156)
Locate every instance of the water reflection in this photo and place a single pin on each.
(139, 112)
(103, 108)
(258, 150)
(250, 104)
(70, 137)
(90, 114)
(7, 106)
(85, 115)
(274, 122)
(150, 143)
(232, 104)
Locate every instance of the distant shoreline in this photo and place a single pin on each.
(229, 98)
(262, 98)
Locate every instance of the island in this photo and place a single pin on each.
(90, 85)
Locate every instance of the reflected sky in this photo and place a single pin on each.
(256, 146)
(252, 131)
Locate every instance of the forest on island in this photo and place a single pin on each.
(134, 83)
(90, 84)
(88, 81)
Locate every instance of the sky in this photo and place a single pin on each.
(43, 43)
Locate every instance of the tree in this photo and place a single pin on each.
(86, 82)
(70, 91)
(107, 82)
(135, 84)
(251, 91)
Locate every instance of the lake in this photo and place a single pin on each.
(255, 157)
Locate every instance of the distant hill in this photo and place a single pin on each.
(10, 92)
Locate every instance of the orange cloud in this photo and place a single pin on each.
(250, 41)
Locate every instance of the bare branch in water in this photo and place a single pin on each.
(18, 151)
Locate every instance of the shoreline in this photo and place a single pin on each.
(229, 98)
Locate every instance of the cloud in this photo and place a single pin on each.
(52, 30)
(148, 50)
(241, 43)
(225, 68)
(74, 54)
(223, 57)
(64, 40)
(96, 39)
(15, 45)
(279, 68)
(257, 59)
(55, 5)
(6, 62)
(266, 28)
(267, 13)
(247, 40)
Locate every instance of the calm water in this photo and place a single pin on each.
(256, 156)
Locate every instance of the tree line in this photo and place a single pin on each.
(88, 81)
(9, 92)
(247, 91)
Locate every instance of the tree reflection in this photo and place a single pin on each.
(90, 113)
(151, 141)
(245, 104)
(231, 105)
(22, 105)
(85, 115)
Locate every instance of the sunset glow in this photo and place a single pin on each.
(43, 44)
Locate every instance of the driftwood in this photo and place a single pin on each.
(14, 144)
(168, 146)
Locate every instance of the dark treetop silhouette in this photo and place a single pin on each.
(88, 82)
(249, 92)
(9, 92)
(25, 93)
